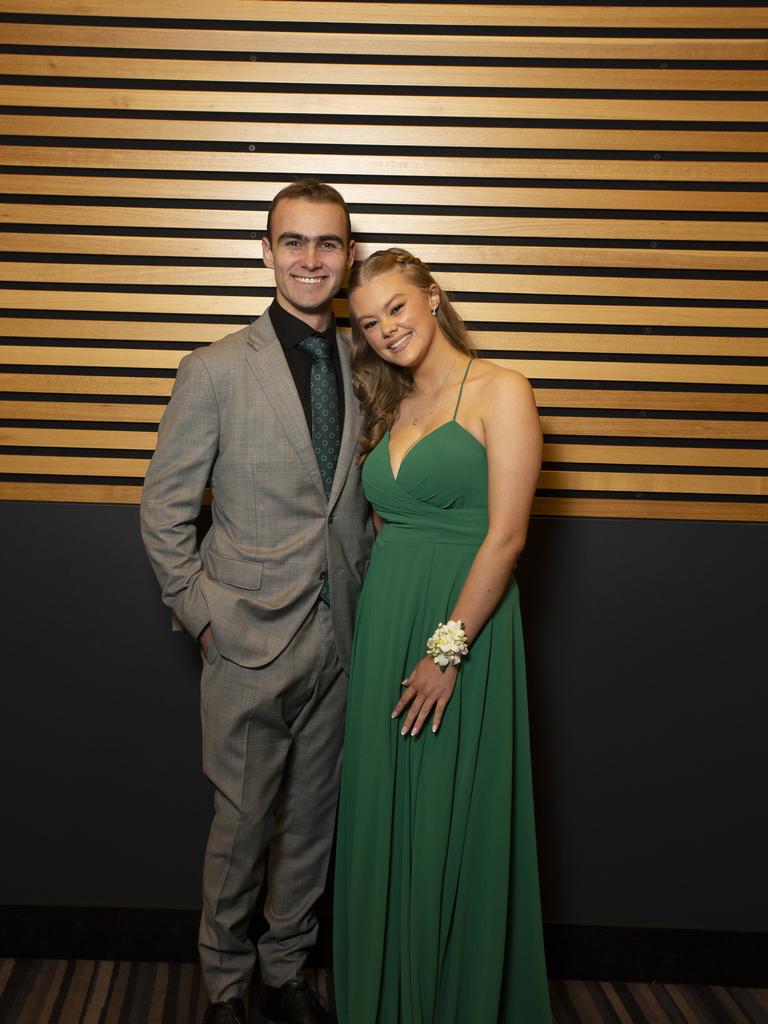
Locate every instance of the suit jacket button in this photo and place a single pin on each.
(322, 575)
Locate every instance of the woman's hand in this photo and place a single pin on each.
(428, 688)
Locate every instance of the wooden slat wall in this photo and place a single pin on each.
(589, 182)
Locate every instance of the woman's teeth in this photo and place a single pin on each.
(400, 342)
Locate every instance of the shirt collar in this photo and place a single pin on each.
(290, 330)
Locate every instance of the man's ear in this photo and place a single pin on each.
(350, 253)
(266, 252)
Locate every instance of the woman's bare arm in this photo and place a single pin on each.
(513, 446)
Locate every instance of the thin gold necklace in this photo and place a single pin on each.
(415, 419)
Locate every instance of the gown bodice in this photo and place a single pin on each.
(441, 488)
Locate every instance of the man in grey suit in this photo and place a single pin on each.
(267, 416)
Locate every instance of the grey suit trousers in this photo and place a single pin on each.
(272, 741)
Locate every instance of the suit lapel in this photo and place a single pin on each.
(267, 361)
(351, 429)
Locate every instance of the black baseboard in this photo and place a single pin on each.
(588, 952)
(604, 953)
(99, 933)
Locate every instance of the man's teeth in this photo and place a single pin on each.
(309, 280)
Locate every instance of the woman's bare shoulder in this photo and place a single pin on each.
(499, 383)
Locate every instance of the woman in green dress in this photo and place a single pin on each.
(437, 917)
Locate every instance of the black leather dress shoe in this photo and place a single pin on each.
(230, 1012)
(294, 1003)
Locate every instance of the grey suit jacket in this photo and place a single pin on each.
(235, 418)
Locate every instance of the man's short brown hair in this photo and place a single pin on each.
(315, 192)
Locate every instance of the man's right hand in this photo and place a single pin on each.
(204, 639)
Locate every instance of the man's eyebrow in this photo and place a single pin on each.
(286, 235)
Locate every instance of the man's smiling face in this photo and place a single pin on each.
(309, 252)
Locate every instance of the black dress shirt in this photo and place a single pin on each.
(290, 330)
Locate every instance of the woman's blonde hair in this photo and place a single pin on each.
(381, 386)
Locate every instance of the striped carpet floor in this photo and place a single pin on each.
(119, 992)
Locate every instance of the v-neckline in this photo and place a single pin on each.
(410, 448)
(423, 437)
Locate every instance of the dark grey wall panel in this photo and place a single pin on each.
(647, 669)
(647, 657)
(100, 730)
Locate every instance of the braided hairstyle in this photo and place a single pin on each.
(381, 386)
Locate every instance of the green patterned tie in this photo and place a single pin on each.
(326, 421)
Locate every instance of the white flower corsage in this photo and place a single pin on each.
(448, 644)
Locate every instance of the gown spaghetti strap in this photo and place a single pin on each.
(437, 917)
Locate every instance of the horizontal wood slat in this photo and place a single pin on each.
(575, 398)
(329, 165)
(110, 331)
(615, 508)
(63, 465)
(640, 455)
(501, 312)
(385, 44)
(482, 253)
(721, 430)
(668, 483)
(435, 135)
(425, 76)
(556, 369)
(396, 224)
(329, 104)
(92, 412)
(499, 341)
(709, 430)
(256, 277)
(113, 330)
(581, 480)
(139, 358)
(101, 494)
(482, 15)
(63, 384)
(142, 440)
(637, 426)
(68, 438)
(624, 344)
(669, 373)
(637, 399)
(676, 373)
(409, 195)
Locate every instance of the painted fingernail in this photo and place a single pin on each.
(393, 715)
(404, 730)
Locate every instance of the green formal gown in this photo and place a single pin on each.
(437, 917)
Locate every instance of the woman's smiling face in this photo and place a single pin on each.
(395, 317)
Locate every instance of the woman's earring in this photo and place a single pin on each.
(434, 310)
